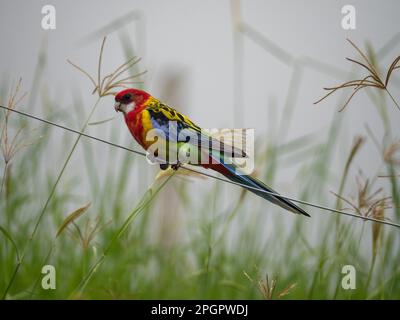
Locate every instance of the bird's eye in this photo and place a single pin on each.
(127, 97)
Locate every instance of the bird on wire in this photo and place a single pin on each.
(169, 136)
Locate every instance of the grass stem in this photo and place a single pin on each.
(49, 198)
(390, 95)
(3, 179)
(146, 200)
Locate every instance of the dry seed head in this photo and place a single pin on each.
(372, 80)
(11, 144)
(86, 234)
(389, 154)
(366, 202)
(106, 85)
(72, 217)
(267, 287)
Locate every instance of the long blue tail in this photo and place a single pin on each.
(228, 170)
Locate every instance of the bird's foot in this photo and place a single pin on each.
(176, 166)
(164, 166)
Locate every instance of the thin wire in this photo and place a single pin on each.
(74, 131)
(183, 166)
(295, 200)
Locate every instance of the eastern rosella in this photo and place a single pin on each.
(142, 113)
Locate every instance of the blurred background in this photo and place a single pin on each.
(225, 64)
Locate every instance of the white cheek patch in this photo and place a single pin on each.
(126, 108)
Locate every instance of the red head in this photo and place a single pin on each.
(126, 100)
